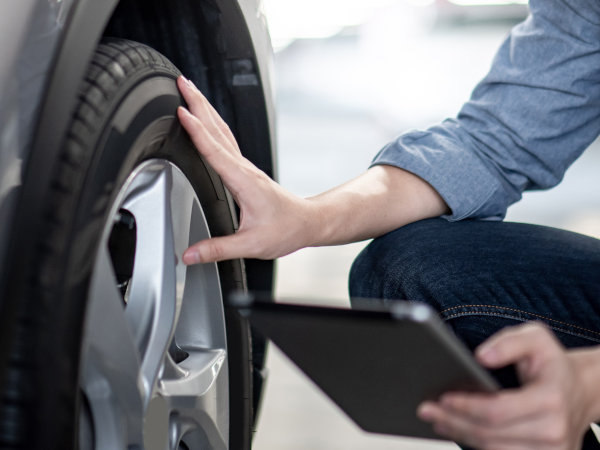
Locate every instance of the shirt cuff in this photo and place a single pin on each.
(457, 174)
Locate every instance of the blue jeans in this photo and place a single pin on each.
(483, 276)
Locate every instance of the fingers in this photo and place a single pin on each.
(230, 167)
(233, 246)
(214, 141)
(203, 137)
(521, 434)
(510, 407)
(516, 344)
(200, 107)
(536, 414)
(211, 250)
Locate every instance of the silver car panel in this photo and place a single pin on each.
(29, 36)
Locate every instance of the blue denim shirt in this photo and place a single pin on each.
(534, 113)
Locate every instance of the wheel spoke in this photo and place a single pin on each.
(111, 369)
(202, 323)
(152, 307)
(182, 202)
(192, 397)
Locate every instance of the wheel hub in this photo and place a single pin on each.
(154, 369)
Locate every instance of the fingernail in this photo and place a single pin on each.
(486, 353)
(191, 257)
(425, 411)
(189, 83)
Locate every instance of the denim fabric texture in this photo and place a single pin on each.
(482, 276)
(534, 113)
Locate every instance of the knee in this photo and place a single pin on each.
(403, 264)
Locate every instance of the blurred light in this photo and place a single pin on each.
(419, 2)
(289, 20)
(487, 2)
(313, 19)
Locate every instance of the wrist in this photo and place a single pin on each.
(317, 226)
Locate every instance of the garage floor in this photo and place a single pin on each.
(339, 100)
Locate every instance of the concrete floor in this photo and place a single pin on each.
(339, 100)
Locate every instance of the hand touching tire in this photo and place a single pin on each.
(273, 222)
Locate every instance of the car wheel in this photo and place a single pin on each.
(151, 357)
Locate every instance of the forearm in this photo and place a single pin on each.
(380, 200)
(274, 222)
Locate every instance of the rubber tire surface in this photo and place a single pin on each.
(124, 116)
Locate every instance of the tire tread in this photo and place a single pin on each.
(107, 72)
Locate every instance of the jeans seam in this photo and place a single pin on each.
(548, 320)
(521, 311)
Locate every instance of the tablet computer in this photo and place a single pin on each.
(377, 362)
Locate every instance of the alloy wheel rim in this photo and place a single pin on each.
(154, 363)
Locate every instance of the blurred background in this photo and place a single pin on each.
(350, 76)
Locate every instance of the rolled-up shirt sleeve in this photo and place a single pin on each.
(534, 113)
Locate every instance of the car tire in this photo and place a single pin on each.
(118, 344)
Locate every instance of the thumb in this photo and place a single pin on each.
(216, 249)
(516, 344)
